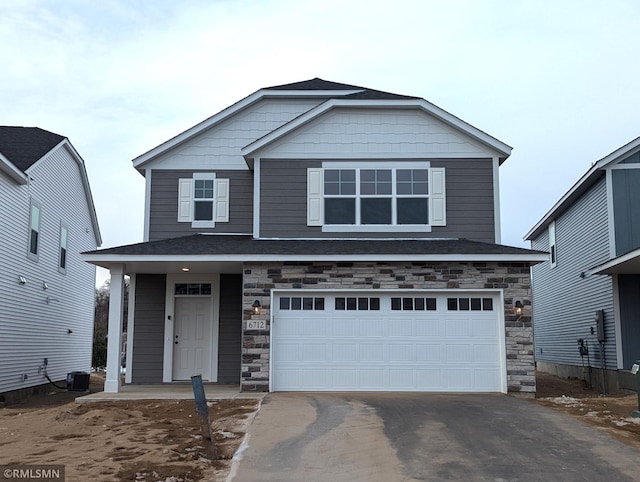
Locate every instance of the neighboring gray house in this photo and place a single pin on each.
(323, 236)
(593, 236)
(47, 294)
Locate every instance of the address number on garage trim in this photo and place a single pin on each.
(257, 325)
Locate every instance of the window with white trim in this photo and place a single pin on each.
(552, 244)
(62, 252)
(203, 200)
(376, 197)
(34, 231)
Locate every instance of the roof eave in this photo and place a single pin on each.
(12, 171)
(105, 260)
(594, 173)
(66, 144)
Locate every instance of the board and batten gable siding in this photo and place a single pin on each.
(469, 198)
(30, 327)
(148, 336)
(564, 303)
(163, 218)
(626, 215)
(351, 132)
(219, 147)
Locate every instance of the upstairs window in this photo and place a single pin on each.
(34, 231)
(406, 197)
(203, 200)
(62, 258)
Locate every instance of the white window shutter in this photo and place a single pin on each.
(221, 194)
(438, 197)
(314, 196)
(185, 200)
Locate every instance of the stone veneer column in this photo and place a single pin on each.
(513, 278)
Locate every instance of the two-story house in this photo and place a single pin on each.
(323, 236)
(47, 218)
(586, 294)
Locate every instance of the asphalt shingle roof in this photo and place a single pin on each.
(321, 84)
(23, 146)
(202, 244)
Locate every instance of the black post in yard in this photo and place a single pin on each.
(203, 414)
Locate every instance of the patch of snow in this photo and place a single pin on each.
(591, 414)
(564, 400)
(632, 421)
(226, 434)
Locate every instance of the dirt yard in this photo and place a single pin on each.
(612, 415)
(124, 441)
(160, 441)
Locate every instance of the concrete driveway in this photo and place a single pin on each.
(406, 437)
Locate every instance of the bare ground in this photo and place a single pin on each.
(610, 414)
(122, 441)
(160, 440)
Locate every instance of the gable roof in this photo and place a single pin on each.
(21, 147)
(595, 172)
(329, 91)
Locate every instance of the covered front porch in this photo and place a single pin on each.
(184, 318)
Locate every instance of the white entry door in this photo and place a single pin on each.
(192, 338)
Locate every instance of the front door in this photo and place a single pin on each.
(192, 338)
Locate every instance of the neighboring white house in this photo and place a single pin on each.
(47, 218)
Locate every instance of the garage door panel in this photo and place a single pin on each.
(344, 326)
(401, 352)
(373, 327)
(458, 354)
(401, 327)
(345, 352)
(459, 379)
(313, 352)
(485, 353)
(401, 378)
(428, 353)
(343, 378)
(429, 379)
(372, 352)
(407, 348)
(429, 328)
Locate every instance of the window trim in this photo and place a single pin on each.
(187, 200)
(30, 254)
(64, 228)
(435, 197)
(553, 251)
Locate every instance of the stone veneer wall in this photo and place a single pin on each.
(513, 278)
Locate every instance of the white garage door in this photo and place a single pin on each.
(447, 342)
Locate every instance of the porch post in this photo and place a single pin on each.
(116, 298)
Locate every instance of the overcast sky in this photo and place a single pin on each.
(557, 80)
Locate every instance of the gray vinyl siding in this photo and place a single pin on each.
(230, 331)
(148, 336)
(626, 199)
(629, 291)
(34, 321)
(163, 220)
(469, 190)
(564, 303)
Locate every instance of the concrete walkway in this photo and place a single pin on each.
(170, 392)
(407, 437)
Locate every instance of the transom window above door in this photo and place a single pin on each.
(407, 196)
